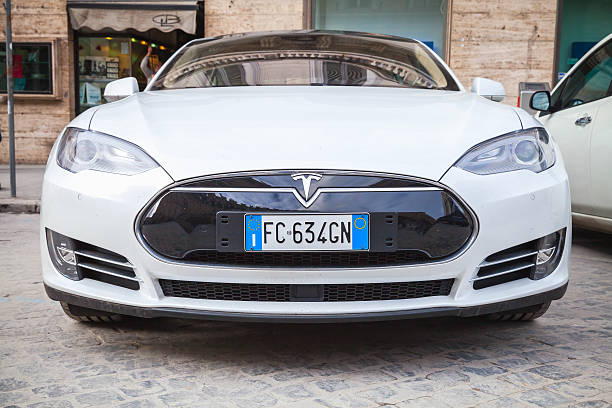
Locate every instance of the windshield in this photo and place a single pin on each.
(306, 59)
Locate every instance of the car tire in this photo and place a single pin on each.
(83, 314)
(522, 315)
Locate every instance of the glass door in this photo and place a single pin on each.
(423, 20)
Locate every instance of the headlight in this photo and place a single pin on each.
(529, 149)
(81, 150)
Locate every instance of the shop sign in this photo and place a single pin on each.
(166, 20)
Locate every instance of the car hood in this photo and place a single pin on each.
(195, 132)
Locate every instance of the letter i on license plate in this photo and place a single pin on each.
(308, 232)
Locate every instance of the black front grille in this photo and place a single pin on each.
(309, 259)
(286, 293)
(386, 291)
(225, 291)
(196, 220)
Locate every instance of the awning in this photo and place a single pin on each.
(121, 15)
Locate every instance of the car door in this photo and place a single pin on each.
(577, 105)
(601, 159)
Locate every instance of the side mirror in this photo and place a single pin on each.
(489, 89)
(121, 88)
(540, 101)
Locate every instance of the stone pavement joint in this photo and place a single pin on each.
(17, 205)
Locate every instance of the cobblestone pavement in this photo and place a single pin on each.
(47, 360)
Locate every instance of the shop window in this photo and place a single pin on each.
(424, 20)
(103, 59)
(32, 68)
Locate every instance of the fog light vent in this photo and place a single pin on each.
(534, 260)
(77, 260)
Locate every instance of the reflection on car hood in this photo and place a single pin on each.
(195, 132)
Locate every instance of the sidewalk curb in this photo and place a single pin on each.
(21, 206)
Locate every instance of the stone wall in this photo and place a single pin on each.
(238, 16)
(38, 122)
(509, 41)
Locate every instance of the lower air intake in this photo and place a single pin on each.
(328, 259)
(107, 267)
(358, 292)
(507, 265)
(78, 260)
(533, 260)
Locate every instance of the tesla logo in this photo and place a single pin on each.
(306, 180)
(167, 20)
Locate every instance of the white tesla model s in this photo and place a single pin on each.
(305, 176)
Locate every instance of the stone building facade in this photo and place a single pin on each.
(509, 41)
(39, 119)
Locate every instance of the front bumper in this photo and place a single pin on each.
(101, 209)
(523, 304)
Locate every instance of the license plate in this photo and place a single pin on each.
(307, 232)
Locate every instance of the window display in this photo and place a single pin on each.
(101, 60)
(105, 59)
(32, 68)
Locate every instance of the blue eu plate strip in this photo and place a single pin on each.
(252, 233)
(360, 228)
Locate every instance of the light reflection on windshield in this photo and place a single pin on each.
(305, 59)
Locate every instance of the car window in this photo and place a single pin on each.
(312, 59)
(591, 81)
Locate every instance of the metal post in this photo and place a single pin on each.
(9, 94)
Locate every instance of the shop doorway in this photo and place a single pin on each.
(111, 39)
(102, 58)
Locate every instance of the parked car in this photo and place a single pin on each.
(578, 114)
(305, 176)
